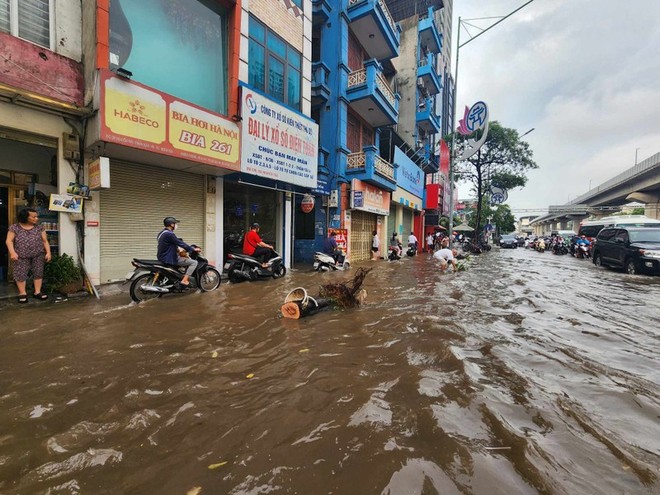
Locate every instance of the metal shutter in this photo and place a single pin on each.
(132, 213)
(407, 223)
(362, 225)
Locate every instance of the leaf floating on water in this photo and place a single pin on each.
(215, 354)
(217, 465)
(303, 350)
(195, 490)
(250, 375)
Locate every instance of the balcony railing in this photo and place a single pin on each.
(358, 77)
(381, 166)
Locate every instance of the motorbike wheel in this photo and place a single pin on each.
(234, 277)
(137, 294)
(209, 280)
(280, 271)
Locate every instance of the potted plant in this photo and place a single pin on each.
(62, 274)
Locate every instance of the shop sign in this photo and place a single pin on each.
(406, 199)
(444, 158)
(98, 173)
(141, 117)
(307, 203)
(341, 236)
(277, 142)
(322, 186)
(369, 198)
(409, 176)
(65, 203)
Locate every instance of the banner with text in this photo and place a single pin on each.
(409, 176)
(369, 198)
(141, 117)
(277, 143)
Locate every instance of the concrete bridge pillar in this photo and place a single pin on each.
(651, 203)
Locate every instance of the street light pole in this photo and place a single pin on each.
(452, 155)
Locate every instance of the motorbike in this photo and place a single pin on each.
(152, 279)
(582, 251)
(394, 254)
(540, 246)
(324, 262)
(241, 267)
(412, 249)
(559, 248)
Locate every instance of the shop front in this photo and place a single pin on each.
(369, 207)
(165, 157)
(407, 198)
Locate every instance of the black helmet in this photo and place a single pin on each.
(167, 221)
(255, 225)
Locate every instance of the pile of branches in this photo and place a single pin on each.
(345, 295)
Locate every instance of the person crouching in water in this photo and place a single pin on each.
(446, 256)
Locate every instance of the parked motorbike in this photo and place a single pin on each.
(241, 267)
(324, 262)
(152, 279)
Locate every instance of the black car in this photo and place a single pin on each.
(508, 241)
(634, 249)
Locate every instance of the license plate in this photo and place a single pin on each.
(316, 265)
(227, 266)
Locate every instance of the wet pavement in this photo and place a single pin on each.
(528, 373)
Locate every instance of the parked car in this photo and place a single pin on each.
(508, 241)
(634, 249)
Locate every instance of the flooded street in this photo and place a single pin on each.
(528, 373)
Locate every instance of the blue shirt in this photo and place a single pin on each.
(167, 244)
(329, 245)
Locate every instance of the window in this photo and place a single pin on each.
(178, 47)
(275, 66)
(27, 19)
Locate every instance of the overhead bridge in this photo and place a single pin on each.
(640, 183)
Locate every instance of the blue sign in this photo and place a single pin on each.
(358, 200)
(408, 176)
(322, 186)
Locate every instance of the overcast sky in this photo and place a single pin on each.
(584, 73)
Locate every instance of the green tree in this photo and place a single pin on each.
(504, 219)
(502, 161)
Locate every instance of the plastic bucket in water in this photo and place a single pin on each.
(299, 294)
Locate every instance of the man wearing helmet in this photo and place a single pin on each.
(254, 246)
(168, 250)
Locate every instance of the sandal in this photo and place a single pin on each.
(22, 299)
(39, 295)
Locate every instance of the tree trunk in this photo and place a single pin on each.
(295, 310)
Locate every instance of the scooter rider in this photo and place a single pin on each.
(254, 246)
(330, 247)
(395, 245)
(412, 241)
(168, 251)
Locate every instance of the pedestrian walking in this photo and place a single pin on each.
(28, 249)
(429, 243)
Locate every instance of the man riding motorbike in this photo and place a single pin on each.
(330, 248)
(254, 246)
(169, 246)
(412, 241)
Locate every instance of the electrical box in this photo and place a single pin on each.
(71, 146)
(333, 200)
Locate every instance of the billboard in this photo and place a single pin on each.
(369, 198)
(408, 176)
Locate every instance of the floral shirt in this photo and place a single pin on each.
(28, 243)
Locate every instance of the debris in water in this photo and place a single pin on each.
(217, 465)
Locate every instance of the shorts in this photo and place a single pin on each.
(23, 266)
(374, 249)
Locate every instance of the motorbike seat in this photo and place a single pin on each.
(156, 263)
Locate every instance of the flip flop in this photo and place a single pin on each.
(41, 296)
(23, 299)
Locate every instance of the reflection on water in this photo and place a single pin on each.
(529, 373)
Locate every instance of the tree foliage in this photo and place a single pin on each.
(502, 161)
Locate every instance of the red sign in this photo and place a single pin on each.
(444, 158)
(92, 223)
(307, 203)
(432, 196)
(341, 237)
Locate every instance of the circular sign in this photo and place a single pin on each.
(307, 203)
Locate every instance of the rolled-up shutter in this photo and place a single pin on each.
(132, 212)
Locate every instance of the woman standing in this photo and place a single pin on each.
(375, 246)
(28, 248)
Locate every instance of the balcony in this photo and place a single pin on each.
(320, 84)
(370, 95)
(368, 166)
(320, 11)
(426, 117)
(429, 36)
(374, 27)
(427, 77)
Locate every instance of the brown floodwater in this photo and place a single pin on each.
(527, 373)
